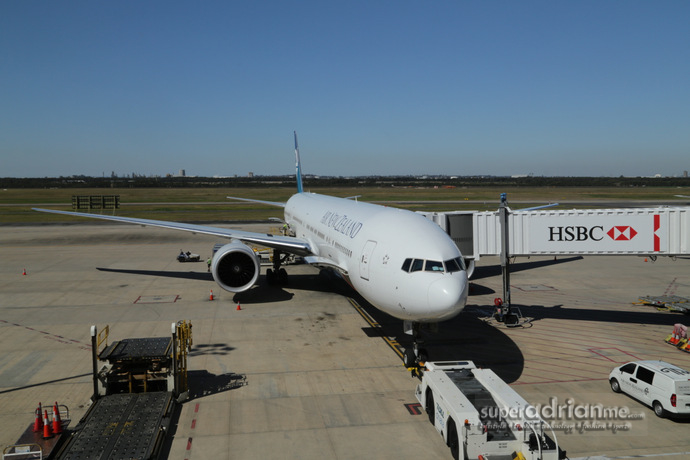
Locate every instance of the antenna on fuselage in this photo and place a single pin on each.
(298, 166)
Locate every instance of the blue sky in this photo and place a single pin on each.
(571, 88)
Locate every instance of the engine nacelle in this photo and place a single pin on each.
(235, 267)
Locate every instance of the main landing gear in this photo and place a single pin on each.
(415, 355)
(277, 275)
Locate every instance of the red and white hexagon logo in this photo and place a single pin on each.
(622, 233)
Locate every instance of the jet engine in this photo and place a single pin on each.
(235, 267)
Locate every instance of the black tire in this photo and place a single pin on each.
(658, 409)
(430, 408)
(409, 358)
(270, 277)
(453, 442)
(282, 276)
(615, 386)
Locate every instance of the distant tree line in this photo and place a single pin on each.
(136, 181)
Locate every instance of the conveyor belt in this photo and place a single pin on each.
(128, 425)
(136, 349)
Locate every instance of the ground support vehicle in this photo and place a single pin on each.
(188, 257)
(658, 384)
(480, 416)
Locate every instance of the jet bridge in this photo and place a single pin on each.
(652, 232)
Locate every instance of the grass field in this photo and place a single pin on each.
(211, 204)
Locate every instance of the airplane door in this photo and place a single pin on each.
(365, 260)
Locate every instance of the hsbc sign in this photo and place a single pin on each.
(615, 233)
(595, 233)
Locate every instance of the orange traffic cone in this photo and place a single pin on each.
(47, 432)
(238, 306)
(38, 422)
(210, 297)
(57, 422)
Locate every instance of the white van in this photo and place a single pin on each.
(663, 386)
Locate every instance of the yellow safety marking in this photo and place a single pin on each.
(102, 337)
(392, 343)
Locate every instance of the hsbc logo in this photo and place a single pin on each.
(594, 233)
(622, 233)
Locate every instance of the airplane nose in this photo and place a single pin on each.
(448, 295)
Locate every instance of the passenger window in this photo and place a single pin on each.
(406, 265)
(645, 375)
(417, 265)
(433, 266)
(629, 368)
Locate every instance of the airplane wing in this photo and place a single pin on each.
(250, 200)
(287, 244)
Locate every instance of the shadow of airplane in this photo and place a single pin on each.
(652, 317)
(262, 292)
(465, 337)
(487, 271)
(199, 276)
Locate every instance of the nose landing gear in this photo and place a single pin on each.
(414, 356)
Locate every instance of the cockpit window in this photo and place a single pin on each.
(406, 265)
(433, 266)
(455, 265)
(452, 265)
(417, 265)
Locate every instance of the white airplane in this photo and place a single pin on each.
(399, 261)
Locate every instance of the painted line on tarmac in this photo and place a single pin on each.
(55, 337)
(192, 427)
(392, 343)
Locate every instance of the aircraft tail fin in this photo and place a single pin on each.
(298, 166)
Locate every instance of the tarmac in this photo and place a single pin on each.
(309, 370)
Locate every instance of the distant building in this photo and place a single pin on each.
(251, 174)
(685, 174)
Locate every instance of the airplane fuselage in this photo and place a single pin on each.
(402, 263)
